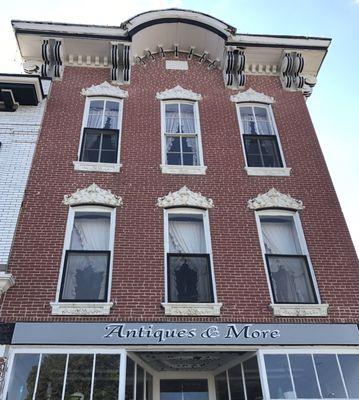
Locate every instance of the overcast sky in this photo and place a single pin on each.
(334, 104)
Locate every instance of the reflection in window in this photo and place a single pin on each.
(350, 368)
(23, 376)
(305, 382)
(236, 383)
(79, 376)
(130, 379)
(330, 381)
(220, 381)
(106, 379)
(183, 389)
(140, 380)
(279, 382)
(51, 377)
(252, 379)
(149, 386)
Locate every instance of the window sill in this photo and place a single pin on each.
(6, 281)
(264, 171)
(192, 309)
(184, 169)
(81, 308)
(300, 310)
(96, 167)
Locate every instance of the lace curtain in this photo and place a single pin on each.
(255, 121)
(97, 112)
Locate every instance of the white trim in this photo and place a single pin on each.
(251, 96)
(269, 109)
(86, 166)
(95, 307)
(207, 234)
(200, 167)
(302, 244)
(299, 310)
(274, 199)
(184, 169)
(267, 171)
(84, 123)
(178, 92)
(60, 308)
(177, 65)
(184, 197)
(105, 89)
(6, 281)
(192, 309)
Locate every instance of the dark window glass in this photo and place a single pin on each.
(262, 151)
(350, 368)
(149, 386)
(305, 382)
(252, 380)
(130, 379)
(99, 145)
(221, 386)
(330, 381)
(279, 382)
(23, 376)
(106, 378)
(79, 376)
(140, 381)
(187, 389)
(236, 383)
(51, 377)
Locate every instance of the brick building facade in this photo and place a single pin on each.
(200, 249)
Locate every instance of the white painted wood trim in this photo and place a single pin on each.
(81, 308)
(299, 310)
(184, 169)
(264, 171)
(96, 167)
(192, 309)
(6, 281)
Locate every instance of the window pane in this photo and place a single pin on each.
(236, 383)
(172, 118)
(183, 389)
(305, 382)
(79, 376)
(23, 376)
(280, 235)
(290, 279)
(173, 144)
(92, 140)
(94, 119)
(190, 279)
(187, 118)
(253, 154)
(279, 382)
(108, 156)
(189, 148)
(221, 386)
(252, 380)
(91, 156)
(111, 115)
(130, 379)
(174, 159)
(91, 231)
(270, 153)
(149, 386)
(350, 368)
(86, 277)
(263, 122)
(140, 381)
(106, 378)
(186, 234)
(51, 377)
(109, 141)
(329, 376)
(247, 119)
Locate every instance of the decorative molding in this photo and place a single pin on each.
(192, 309)
(120, 60)
(105, 89)
(184, 169)
(178, 92)
(299, 310)
(184, 197)
(96, 167)
(6, 281)
(233, 73)
(92, 195)
(81, 308)
(52, 57)
(266, 171)
(251, 96)
(274, 199)
(177, 65)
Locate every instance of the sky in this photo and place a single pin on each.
(335, 99)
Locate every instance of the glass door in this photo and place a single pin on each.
(183, 389)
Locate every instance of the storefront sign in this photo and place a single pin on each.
(185, 334)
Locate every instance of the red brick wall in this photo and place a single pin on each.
(137, 283)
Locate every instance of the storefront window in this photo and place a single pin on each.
(106, 380)
(23, 377)
(305, 383)
(221, 386)
(51, 376)
(79, 374)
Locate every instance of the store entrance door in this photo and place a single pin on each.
(183, 389)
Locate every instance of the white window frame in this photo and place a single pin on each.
(280, 309)
(194, 309)
(85, 308)
(99, 166)
(260, 171)
(182, 169)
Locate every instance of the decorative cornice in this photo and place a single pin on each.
(274, 199)
(251, 96)
(93, 195)
(6, 281)
(105, 89)
(178, 92)
(184, 197)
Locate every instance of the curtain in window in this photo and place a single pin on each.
(248, 121)
(172, 118)
(187, 119)
(111, 115)
(263, 122)
(187, 237)
(280, 238)
(94, 119)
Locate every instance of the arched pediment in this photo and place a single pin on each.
(93, 195)
(275, 199)
(178, 92)
(251, 96)
(184, 198)
(105, 89)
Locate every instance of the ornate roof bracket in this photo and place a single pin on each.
(120, 60)
(92, 195)
(178, 92)
(52, 57)
(275, 199)
(184, 197)
(233, 72)
(105, 89)
(251, 96)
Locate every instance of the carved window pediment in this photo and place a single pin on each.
(178, 92)
(251, 96)
(93, 195)
(184, 198)
(105, 89)
(275, 199)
